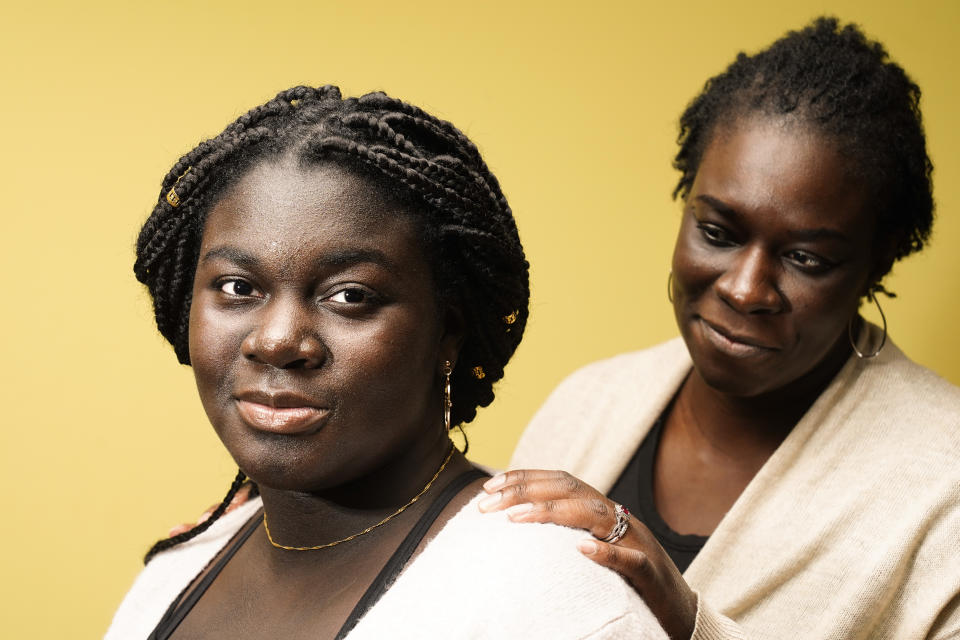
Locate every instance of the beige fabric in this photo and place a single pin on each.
(850, 530)
(481, 577)
(485, 577)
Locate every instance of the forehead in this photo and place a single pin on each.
(282, 211)
(782, 169)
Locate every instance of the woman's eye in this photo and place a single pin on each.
(715, 235)
(809, 261)
(350, 295)
(237, 288)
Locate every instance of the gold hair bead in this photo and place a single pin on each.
(172, 196)
(294, 102)
(478, 373)
(510, 319)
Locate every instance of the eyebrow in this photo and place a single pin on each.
(718, 205)
(343, 258)
(806, 235)
(349, 257)
(231, 254)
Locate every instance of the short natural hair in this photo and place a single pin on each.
(833, 78)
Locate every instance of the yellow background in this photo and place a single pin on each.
(104, 444)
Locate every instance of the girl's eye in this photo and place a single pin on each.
(237, 288)
(351, 295)
(715, 235)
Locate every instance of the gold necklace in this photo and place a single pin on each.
(371, 527)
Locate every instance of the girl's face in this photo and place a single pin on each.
(316, 337)
(773, 255)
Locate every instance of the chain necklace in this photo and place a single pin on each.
(371, 527)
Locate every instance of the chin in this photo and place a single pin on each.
(737, 374)
(744, 378)
(734, 383)
(281, 463)
(282, 476)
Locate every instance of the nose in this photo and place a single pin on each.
(749, 285)
(284, 337)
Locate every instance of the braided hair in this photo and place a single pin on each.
(845, 86)
(468, 230)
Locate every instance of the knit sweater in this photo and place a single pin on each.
(481, 577)
(850, 530)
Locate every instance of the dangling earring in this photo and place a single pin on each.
(872, 297)
(670, 286)
(447, 370)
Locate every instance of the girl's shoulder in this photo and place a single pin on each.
(484, 576)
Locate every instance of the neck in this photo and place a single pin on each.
(310, 518)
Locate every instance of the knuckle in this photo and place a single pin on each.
(568, 483)
(598, 507)
(548, 505)
(612, 554)
(518, 492)
(640, 564)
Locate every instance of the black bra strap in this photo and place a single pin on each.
(179, 609)
(401, 556)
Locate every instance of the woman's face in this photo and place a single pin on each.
(316, 337)
(773, 254)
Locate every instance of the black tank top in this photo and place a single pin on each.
(181, 606)
(634, 489)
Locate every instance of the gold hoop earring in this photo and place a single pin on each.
(871, 296)
(670, 286)
(447, 404)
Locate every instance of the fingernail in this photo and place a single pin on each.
(519, 510)
(490, 501)
(588, 546)
(495, 482)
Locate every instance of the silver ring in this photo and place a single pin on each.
(620, 528)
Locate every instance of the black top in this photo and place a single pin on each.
(634, 490)
(180, 607)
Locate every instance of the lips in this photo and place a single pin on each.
(280, 412)
(733, 344)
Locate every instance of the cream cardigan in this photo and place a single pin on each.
(850, 530)
(481, 577)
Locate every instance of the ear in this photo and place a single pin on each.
(884, 255)
(454, 333)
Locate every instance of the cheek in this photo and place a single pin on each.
(388, 362)
(693, 267)
(821, 314)
(214, 346)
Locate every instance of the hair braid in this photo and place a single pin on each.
(166, 543)
(445, 129)
(397, 166)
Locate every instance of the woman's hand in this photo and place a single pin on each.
(242, 495)
(558, 497)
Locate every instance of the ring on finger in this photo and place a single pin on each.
(620, 528)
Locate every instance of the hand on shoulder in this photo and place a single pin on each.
(559, 498)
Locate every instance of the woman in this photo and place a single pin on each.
(346, 280)
(785, 450)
